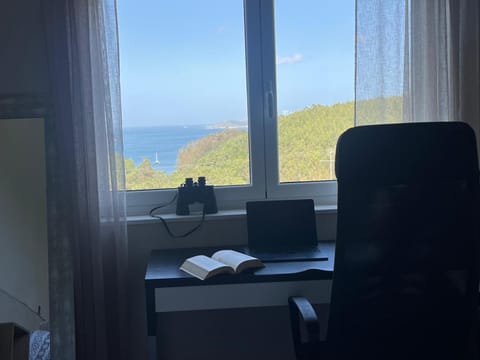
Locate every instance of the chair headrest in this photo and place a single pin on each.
(408, 152)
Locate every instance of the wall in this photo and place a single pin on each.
(271, 324)
(23, 226)
(23, 66)
(23, 248)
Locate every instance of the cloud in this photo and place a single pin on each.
(292, 59)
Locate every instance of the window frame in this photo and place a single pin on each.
(259, 29)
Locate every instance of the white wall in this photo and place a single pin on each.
(23, 229)
(23, 66)
(23, 249)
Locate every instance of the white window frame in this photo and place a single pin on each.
(262, 130)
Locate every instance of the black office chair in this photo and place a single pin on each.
(406, 278)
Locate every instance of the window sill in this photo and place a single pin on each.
(221, 215)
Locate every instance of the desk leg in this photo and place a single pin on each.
(152, 347)
(151, 323)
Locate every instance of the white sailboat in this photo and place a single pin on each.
(156, 158)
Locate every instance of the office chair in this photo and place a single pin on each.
(406, 276)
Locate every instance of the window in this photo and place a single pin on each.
(252, 94)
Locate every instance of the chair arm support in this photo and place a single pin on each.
(302, 312)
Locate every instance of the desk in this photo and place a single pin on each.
(170, 289)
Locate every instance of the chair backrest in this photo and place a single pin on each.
(407, 253)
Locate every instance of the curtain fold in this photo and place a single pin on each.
(465, 27)
(417, 61)
(86, 185)
(381, 46)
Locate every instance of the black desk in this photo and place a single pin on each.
(170, 289)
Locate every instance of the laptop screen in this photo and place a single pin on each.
(281, 224)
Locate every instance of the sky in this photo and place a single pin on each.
(182, 62)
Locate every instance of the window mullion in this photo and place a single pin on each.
(269, 95)
(255, 93)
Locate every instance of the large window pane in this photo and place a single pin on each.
(315, 79)
(183, 92)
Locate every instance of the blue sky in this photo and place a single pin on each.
(183, 62)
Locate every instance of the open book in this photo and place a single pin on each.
(221, 262)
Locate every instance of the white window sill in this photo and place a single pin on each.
(221, 215)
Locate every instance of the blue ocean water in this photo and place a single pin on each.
(160, 143)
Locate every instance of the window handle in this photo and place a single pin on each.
(269, 101)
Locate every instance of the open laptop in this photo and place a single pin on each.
(283, 230)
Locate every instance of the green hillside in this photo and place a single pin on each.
(306, 138)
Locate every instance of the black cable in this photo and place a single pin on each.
(163, 205)
(177, 236)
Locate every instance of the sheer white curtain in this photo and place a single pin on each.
(465, 25)
(86, 198)
(417, 60)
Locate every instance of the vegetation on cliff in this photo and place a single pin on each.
(306, 141)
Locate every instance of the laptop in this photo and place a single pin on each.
(283, 230)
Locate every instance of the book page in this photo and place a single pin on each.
(237, 260)
(203, 267)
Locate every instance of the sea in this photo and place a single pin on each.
(160, 144)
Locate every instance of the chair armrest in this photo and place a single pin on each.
(302, 313)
